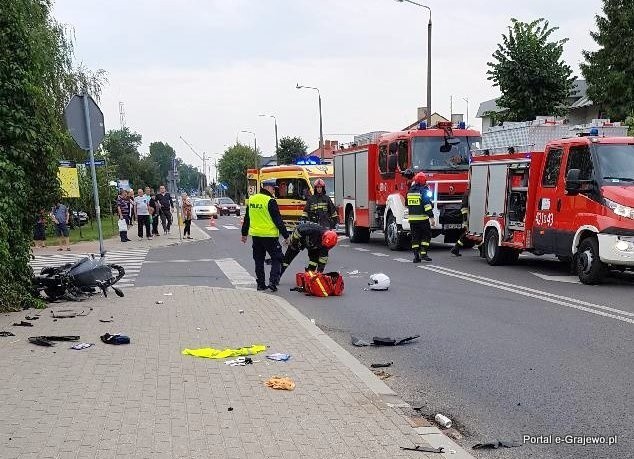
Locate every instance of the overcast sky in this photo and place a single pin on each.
(205, 69)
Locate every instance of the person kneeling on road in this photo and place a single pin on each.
(264, 224)
(316, 239)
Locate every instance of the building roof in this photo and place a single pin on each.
(435, 118)
(578, 99)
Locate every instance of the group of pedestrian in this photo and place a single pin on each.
(148, 207)
(263, 222)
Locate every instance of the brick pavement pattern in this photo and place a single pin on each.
(146, 400)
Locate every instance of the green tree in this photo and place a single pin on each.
(609, 71)
(121, 146)
(36, 73)
(163, 155)
(290, 149)
(232, 168)
(189, 177)
(530, 72)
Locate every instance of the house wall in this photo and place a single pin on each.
(583, 115)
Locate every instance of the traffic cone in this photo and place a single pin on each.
(212, 222)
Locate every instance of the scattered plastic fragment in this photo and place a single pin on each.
(230, 408)
(497, 444)
(6, 333)
(280, 383)
(105, 320)
(360, 342)
(424, 449)
(382, 374)
(48, 340)
(241, 311)
(23, 324)
(80, 346)
(443, 420)
(381, 365)
(279, 357)
(159, 302)
(168, 294)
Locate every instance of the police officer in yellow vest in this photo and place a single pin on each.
(264, 224)
(421, 217)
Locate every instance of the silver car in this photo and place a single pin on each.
(203, 208)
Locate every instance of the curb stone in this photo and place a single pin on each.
(431, 435)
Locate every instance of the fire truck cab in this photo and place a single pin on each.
(575, 200)
(371, 181)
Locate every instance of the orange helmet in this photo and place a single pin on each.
(420, 178)
(329, 239)
(319, 182)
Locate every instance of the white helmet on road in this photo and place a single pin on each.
(379, 281)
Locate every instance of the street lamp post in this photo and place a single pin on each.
(255, 147)
(428, 58)
(277, 144)
(321, 124)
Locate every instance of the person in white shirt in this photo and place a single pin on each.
(142, 213)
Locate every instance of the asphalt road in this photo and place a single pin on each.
(503, 352)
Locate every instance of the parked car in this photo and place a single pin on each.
(80, 218)
(204, 208)
(226, 206)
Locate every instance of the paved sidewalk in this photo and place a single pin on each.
(146, 400)
(115, 243)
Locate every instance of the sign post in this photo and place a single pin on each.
(84, 120)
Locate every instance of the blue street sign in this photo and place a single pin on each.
(98, 162)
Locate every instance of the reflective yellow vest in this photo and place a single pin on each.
(260, 221)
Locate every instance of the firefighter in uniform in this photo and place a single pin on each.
(264, 224)
(320, 208)
(421, 217)
(464, 210)
(316, 239)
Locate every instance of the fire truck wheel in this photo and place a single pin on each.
(356, 233)
(496, 255)
(590, 268)
(394, 237)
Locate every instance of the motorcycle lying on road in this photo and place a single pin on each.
(73, 281)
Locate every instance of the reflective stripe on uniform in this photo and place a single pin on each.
(323, 260)
(427, 207)
(416, 218)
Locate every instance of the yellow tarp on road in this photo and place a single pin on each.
(211, 353)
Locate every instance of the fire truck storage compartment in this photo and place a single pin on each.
(518, 177)
(488, 193)
(351, 178)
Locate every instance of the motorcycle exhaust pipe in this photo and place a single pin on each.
(118, 291)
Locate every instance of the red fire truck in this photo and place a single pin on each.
(371, 181)
(575, 200)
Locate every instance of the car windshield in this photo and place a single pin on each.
(616, 162)
(225, 201)
(203, 203)
(426, 154)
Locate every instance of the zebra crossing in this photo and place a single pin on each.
(131, 260)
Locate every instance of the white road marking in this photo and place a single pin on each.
(211, 228)
(231, 227)
(207, 260)
(379, 254)
(402, 260)
(344, 245)
(237, 275)
(537, 294)
(361, 249)
(339, 238)
(566, 279)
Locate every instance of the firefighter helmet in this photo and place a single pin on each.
(379, 281)
(420, 178)
(319, 182)
(329, 239)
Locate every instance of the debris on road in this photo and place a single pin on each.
(497, 444)
(382, 374)
(240, 311)
(240, 362)
(211, 353)
(80, 346)
(69, 313)
(280, 383)
(48, 341)
(382, 341)
(443, 421)
(22, 324)
(32, 317)
(117, 338)
(6, 333)
(168, 294)
(360, 342)
(279, 357)
(230, 408)
(424, 449)
(105, 320)
(381, 365)
(159, 302)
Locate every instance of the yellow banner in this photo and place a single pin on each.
(69, 180)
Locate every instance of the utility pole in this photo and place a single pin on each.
(204, 159)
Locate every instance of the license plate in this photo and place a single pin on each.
(452, 226)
